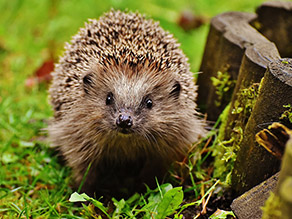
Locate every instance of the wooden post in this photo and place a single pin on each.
(254, 64)
(249, 204)
(275, 22)
(254, 164)
(230, 34)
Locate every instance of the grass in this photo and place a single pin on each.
(33, 182)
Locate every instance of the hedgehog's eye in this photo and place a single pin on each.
(175, 89)
(87, 82)
(149, 103)
(109, 98)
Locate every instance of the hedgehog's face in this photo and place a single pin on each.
(143, 104)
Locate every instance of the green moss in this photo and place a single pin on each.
(226, 146)
(223, 153)
(272, 207)
(226, 155)
(245, 100)
(223, 84)
(223, 119)
(287, 114)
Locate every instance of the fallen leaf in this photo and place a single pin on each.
(189, 21)
(41, 75)
(221, 214)
(274, 139)
(75, 197)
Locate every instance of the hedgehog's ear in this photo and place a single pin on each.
(87, 82)
(175, 90)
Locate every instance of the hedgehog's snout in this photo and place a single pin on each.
(124, 121)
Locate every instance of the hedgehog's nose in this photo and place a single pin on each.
(124, 121)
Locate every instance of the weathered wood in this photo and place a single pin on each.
(254, 164)
(249, 204)
(254, 64)
(275, 22)
(230, 34)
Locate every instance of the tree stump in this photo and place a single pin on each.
(274, 21)
(249, 204)
(229, 36)
(253, 66)
(254, 164)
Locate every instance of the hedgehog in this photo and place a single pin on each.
(124, 102)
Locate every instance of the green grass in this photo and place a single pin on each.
(33, 182)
